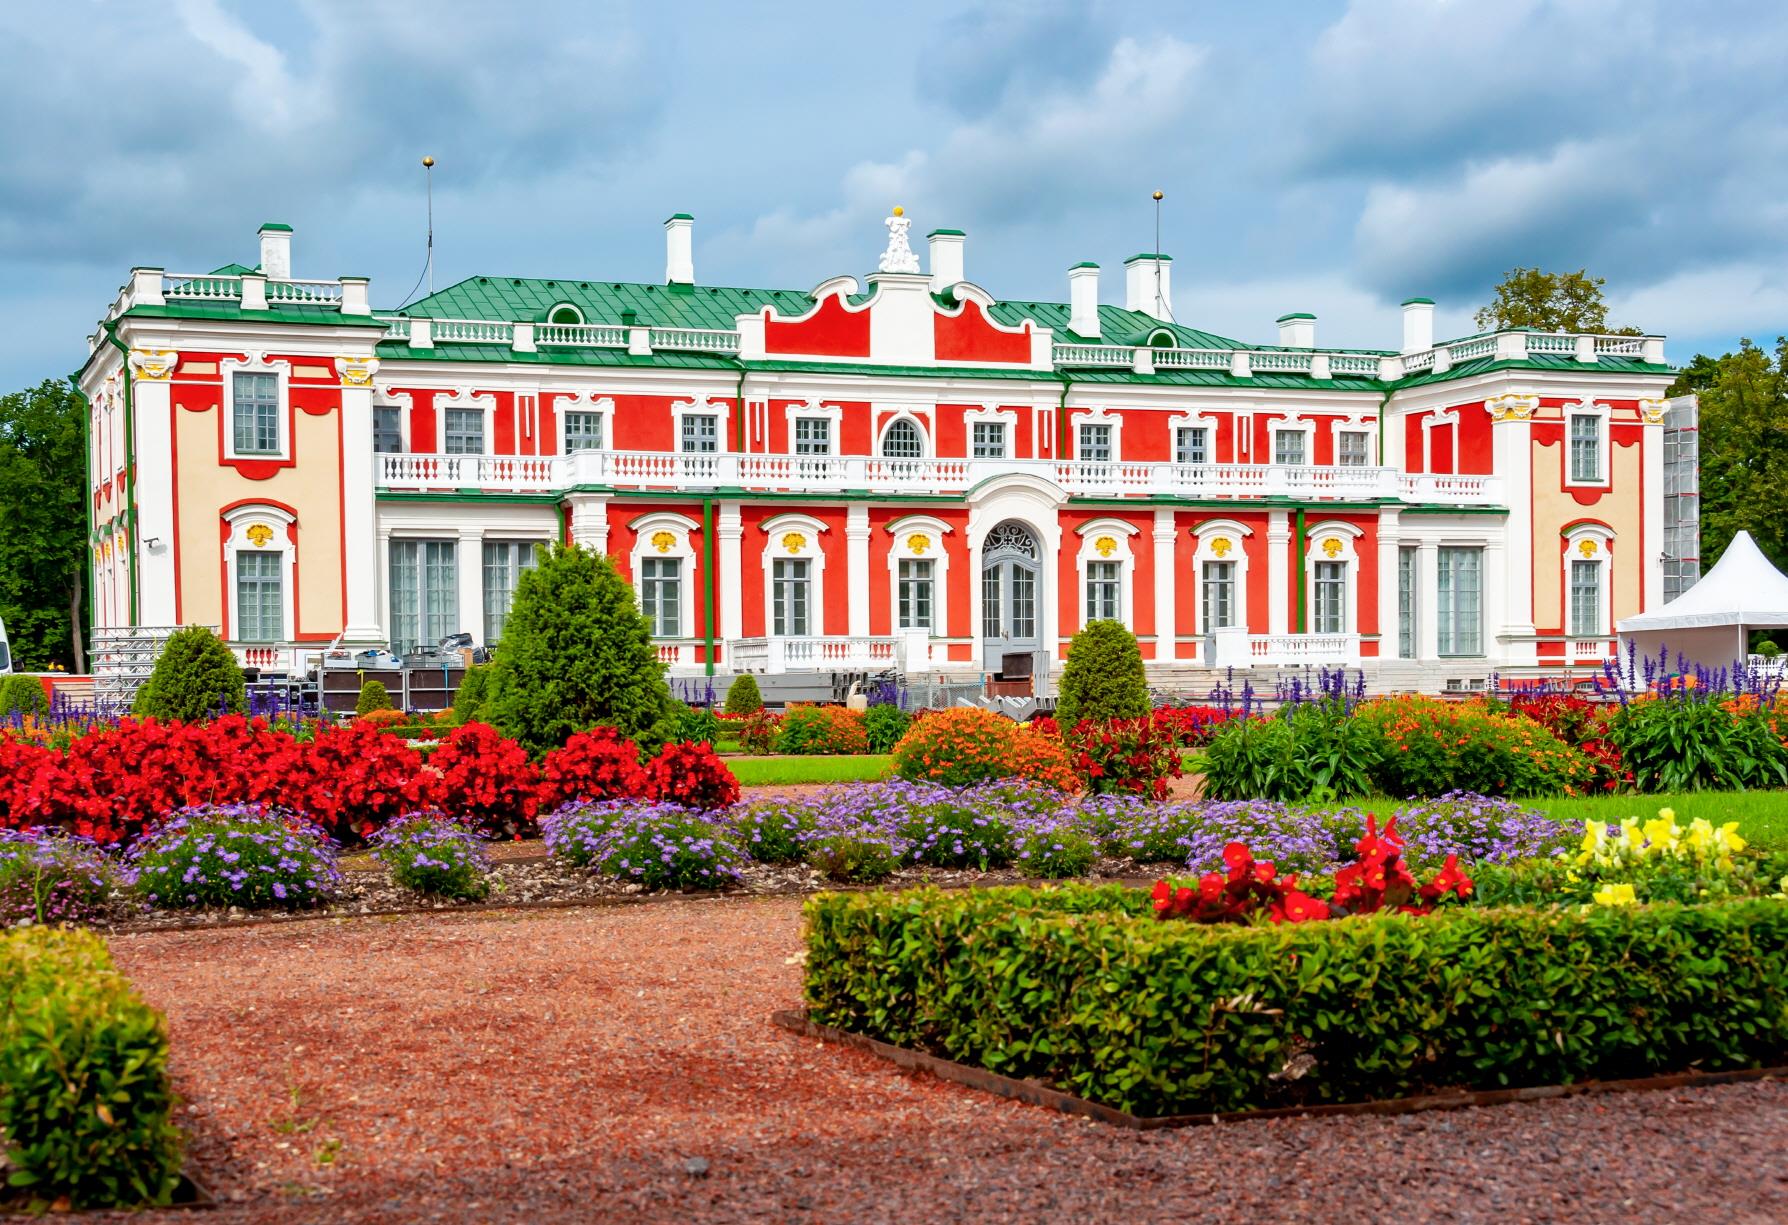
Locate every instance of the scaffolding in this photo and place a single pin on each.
(1682, 495)
(122, 659)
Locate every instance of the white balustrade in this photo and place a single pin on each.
(1192, 359)
(1268, 361)
(472, 331)
(1449, 487)
(1620, 346)
(1093, 355)
(1415, 362)
(1354, 363)
(586, 335)
(323, 293)
(396, 328)
(1554, 343)
(1294, 649)
(507, 473)
(702, 340)
(1478, 346)
(1591, 650)
(813, 653)
(201, 286)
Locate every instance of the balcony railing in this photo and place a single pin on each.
(823, 474)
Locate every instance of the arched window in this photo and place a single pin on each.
(564, 312)
(901, 440)
(1162, 339)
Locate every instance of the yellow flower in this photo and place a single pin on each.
(1669, 814)
(1615, 895)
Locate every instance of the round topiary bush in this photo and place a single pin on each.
(372, 697)
(22, 695)
(195, 678)
(742, 696)
(1103, 678)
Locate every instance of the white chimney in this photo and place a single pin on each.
(679, 249)
(1083, 300)
(1297, 331)
(946, 258)
(1418, 325)
(1148, 285)
(276, 251)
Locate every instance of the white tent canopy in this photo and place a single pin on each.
(1708, 622)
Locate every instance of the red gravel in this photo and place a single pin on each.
(583, 1065)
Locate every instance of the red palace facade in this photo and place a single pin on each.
(904, 473)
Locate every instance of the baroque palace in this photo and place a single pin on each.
(905, 473)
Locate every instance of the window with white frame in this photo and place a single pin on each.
(254, 403)
(1094, 443)
(661, 595)
(1351, 449)
(583, 432)
(424, 592)
(464, 431)
(1288, 447)
(260, 597)
(701, 433)
(1192, 444)
(914, 593)
(1104, 590)
(1458, 600)
(790, 596)
(1329, 587)
(388, 429)
(504, 561)
(1217, 595)
(901, 440)
(1408, 570)
(989, 440)
(813, 436)
(1586, 597)
(1586, 436)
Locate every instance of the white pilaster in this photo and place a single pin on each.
(471, 583)
(360, 559)
(729, 529)
(1278, 572)
(1651, 566)
(856, 558)
(1497, 580)
(152, 406)
(1166, 629)
(1390, 538)
(1512, 451)
(589, 522)
(1427, 600)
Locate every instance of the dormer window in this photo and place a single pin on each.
(902, 441)
(1162, 339)
(566, 313)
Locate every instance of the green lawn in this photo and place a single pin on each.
(782, 771)
(1762, 816)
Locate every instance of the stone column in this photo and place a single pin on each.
(589, 522)
(856, 570)
(729, 531)
(471, 583)
(1166, 635)
(1278, 572)
(1428, 602)
(1390, 538)
(359, 509)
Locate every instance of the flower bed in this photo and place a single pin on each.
(1082, 989)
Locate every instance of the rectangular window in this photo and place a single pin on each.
(1095, 443)
(1218, 595)
(1408, 568)
(701, 432)
(388, 429)
(1458, 600)
(424, 592)
(990, 440)
(913, 583)
(504, 561)
(1350, 449)
(1329, 586)
(464, 433)
(661, 595)
(1288, 447)
(1103, 580)
(1191, 445)
(260, 597)
(256, 407)
(813, 436)
(583, 432)
(1586, 597)
(1586, 448)
(789, 597)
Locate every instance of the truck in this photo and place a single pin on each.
(5, 652)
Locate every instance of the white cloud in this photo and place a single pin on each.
(1745, 299)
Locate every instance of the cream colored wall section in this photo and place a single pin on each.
(312, 488)
(1553, 508)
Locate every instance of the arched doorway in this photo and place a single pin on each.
(1009, 612)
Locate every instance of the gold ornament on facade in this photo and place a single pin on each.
(1652, 411)
(1331, 547)
(357, 371)
(154, 365)
(793, 542)
(917, 543)
(1221, 546)
(1512, 407)
(1106, 545)
(1587, 548)
(662, 541)
(259, 535)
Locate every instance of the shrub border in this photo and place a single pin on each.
(1038, 1094)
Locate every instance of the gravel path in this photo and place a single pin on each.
(615, 1064)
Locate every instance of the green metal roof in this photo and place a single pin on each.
(1115, 325)
(1541, 361)
(520, 299)
(279, 312)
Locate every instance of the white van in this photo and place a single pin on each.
(5, 652)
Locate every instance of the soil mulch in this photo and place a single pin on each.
(618, 1063)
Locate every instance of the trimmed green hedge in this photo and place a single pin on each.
(84, 1093)
(1082, 988)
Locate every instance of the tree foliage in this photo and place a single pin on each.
(577, 653)
(1103, 678)
(43, 526)
(22, 695)
(196, 677)
(743, 696)
(1549, 302)
(1744, 447)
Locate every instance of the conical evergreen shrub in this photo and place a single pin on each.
(743, 696)
(1103, 678)
(195, 678)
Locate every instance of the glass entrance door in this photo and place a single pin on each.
(1009, 559)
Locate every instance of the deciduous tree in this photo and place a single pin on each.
(43, 526)
(1549, 302)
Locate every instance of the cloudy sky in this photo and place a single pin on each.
(1328, 157)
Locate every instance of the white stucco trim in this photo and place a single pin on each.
(586, 402)
(1591, 542)
(665, 534)
(1107, 540)
(813, 410)
(1333, 541)
(788, 537)
(1234, 548)
(1588, 406)
(257, 363)
(920, 538)
(245, 522)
